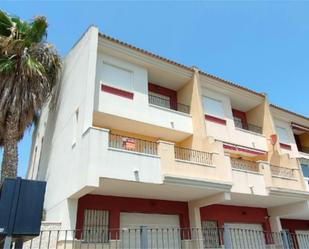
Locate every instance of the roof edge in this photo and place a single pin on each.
(288, 111)
(193, 69)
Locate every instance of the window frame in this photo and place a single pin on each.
(221, 115)
(103, 81)
(281, 140)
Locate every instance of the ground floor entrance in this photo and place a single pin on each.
(299, 230)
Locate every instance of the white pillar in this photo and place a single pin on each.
(194, 216)
(275, 224)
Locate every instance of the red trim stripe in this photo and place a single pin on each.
(116, 91)
(215, 119)
(285, 146)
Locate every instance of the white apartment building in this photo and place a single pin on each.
(143, 140)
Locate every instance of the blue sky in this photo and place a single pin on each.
(258, 44)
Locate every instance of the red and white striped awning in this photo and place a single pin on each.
(246, 151)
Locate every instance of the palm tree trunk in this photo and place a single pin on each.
(10, 153)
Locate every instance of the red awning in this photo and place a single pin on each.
(243, 149)
(300, 127)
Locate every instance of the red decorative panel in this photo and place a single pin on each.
(116, 91)
(172, 94)
(115, 205)
(285, 146)
(242, 116)
(215, 119)
(292, 225)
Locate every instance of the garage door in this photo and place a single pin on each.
(302, 238)
(162, 230)
(244, 236)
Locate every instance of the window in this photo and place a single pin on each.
(238, 122)
(305, 169)
(75, 126)
(213, 107)
(283, 134)
(95, 228)
(116, 77)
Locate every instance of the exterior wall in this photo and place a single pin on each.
(103, 161)
(218, 171)
(75, 156)
(235, 214)
(227, 132)
(37, 145)
(256, 116)
(293, 225)
(116, 205)
(293, 151)
(248, 182)
(138, 108)
(61, 137)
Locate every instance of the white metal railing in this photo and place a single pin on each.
(195, 156)
(282, 171)
(133, 144)
(244, 165)
(169, 238)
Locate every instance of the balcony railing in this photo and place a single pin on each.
(170, 238)
(166, 103)
(282, 171)
(244, 165)
(304, 149)
(195, 156)
(248, 127)
(133, 144)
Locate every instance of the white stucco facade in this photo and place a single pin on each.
(72, 150)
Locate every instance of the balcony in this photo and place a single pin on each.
(235, 120)
(301, 136)
(303, 149)
(283, 172)
(245, 165)
(166, 103)
(249, 127)
(155, 116)
(133, 144)
(286, 177)
(194, 156)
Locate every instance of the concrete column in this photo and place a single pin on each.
(167, 155)
(275, 224)
(264, 168)
(194, 216)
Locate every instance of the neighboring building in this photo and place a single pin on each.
(137, 139)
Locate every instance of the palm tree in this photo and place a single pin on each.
(29, 70)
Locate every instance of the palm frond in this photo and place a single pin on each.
(38, 29)
(33, 67)
(6, 65)
(5, 24)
